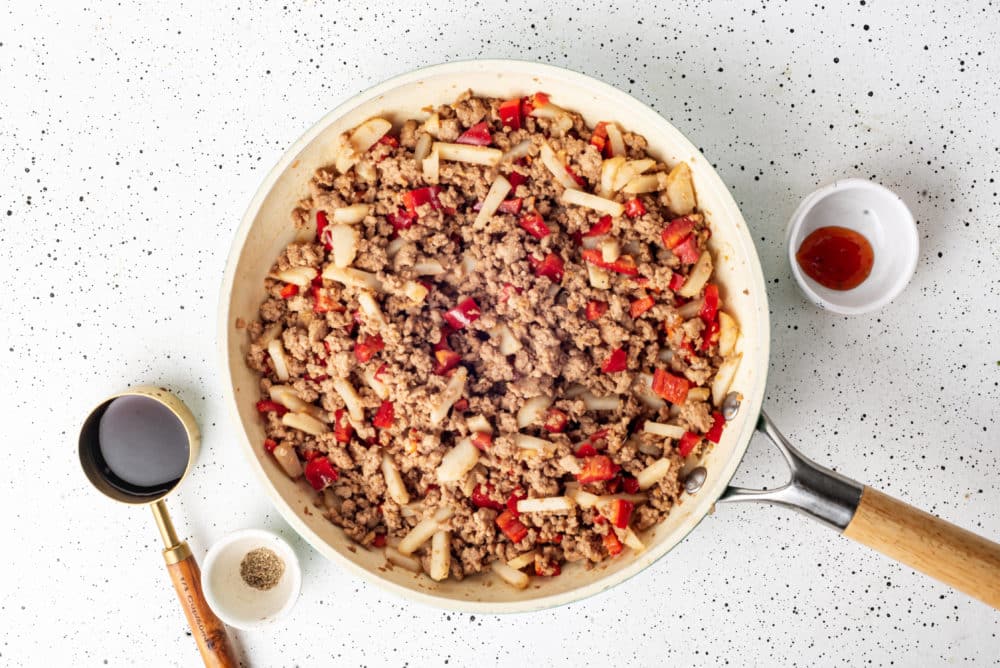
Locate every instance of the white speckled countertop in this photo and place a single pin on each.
(132, 135)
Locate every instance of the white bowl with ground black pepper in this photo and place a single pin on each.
(251, 578)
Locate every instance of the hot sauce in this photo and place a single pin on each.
(836, 257)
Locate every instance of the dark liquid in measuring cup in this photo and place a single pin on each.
(140, 447)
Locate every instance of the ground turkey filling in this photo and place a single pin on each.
(366, 355)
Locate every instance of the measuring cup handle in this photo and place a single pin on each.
(208, 630)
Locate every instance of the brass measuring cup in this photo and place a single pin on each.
(207, 629)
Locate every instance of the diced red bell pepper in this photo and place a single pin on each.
(442, 343)
(380, 373)
(512, 500)
(676, 232)
(714, 434)
(343, 430)
(323, 302)
(461, 405)
(672, 388)
(635, 208)
(270, 444)
(621, 512)
(510, 113)
(511, 526)
(446, 360)
(289, 290)
(710, 305)
(321, 224)
(555, 421)
(477, 135)
(612, 486)
(426, 195)
(507, 290)
(597, 469)
(516, 179)
(379, 540)
(402, 219)
(511, 206)
(687, 443)
(640, 306)
(550, 266)
(616, 361)
(549, 569)
(482, 440)
(385, 415)
(599, 138)
(630, 485)
(388, 140)
(531, 102)
(710, 336)
(576, 177)
(677, 281)
(687, 349)
(602, 226)
(625, 264)
(481, 497)
(612, 544)
(595, 309)
(309, 455)
(687, 251)
(320, 473)
(367, 347)
(533, 223)
(585, 449)
(267, 406)
(463, 314)
(598, 435)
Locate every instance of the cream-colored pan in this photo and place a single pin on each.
(265, 230)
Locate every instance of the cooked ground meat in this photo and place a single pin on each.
(572, 328)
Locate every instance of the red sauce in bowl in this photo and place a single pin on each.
(836, 257)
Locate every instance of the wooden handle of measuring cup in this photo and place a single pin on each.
(948, 553)
(208, 630)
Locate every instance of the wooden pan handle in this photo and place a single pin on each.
(208, 630)
(928, 544)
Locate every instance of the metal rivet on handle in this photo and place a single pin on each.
(731, 405)
(695, 479)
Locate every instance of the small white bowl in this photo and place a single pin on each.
(234, 601)
(882, 217)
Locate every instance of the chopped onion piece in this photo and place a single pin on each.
(522, 560)
(468, 264)
(699, 275)
(350, 214)
(288, 460)
(451, 393)
(508, 344)
(532, 411)
(344, 240)
(498, 191)
(724, 378)
(690, 310)
(380, 389)
(304, 422)
(397, 558)
(361, 139)
(393, 481)
(680, 190)
(644, 390)
(609, 170)
(653, 473)
(518, 151)
(645, 184)
(300, 276)
(548, 504)
(394, 246)
(371, 308)
(580, 198)
(698, 394)
(415, 291)
(595, 403)
(440, 555)
(479, 423)
(663, 429)
(350, 397)
(575, 390)
(352, 277)
(534, 443)
(287, 397)
(269, 334)
(647, 448)
(728, 333)
(592, 242)
(431, 166)
(630, 170)
(611, 250)
(476, 155)
(458, 461)
(432, 125)
(615, 139)
(633, 541)
(582, 498)
(423, 147)
(557, 167)
(511, 576)
(422, 532)
(278, 360)
(605, 499)
(599, 278)
(428, 268)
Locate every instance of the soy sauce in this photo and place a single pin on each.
(138, 445)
